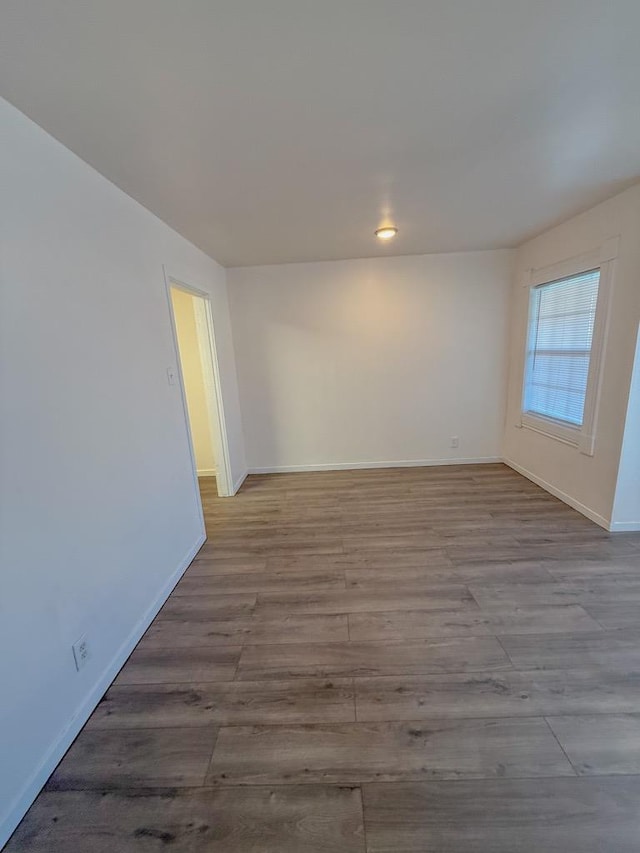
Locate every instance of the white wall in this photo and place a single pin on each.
(193, 378)
(626, 509)
(587, 482)
(372, 361)
(98, 506)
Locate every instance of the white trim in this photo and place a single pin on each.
(566, 268)
(591, 514)
(206, 472)
(524, 278)
(223, 478)
(607, 251)
(598, 349)
(239, 482)
(563, 432)
(583, 438)
(354, 466)
(223, 463)
(205, 353)
(61, 744)
(625, 527)
(183, 393)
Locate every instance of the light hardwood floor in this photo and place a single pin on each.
(391, 661)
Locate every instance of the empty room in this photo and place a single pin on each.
(319, 426)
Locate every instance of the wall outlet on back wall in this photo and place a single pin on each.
(81, 652)
(455, 441)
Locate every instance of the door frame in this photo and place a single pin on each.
(211, 374)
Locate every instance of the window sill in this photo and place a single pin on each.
(571, 435)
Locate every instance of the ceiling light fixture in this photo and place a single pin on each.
(388, 232)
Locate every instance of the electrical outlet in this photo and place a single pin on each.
(455, 441)
(81, 652)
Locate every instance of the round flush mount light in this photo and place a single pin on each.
(388, 232)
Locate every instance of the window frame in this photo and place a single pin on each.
(580, 437)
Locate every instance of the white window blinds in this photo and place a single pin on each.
(561, 319)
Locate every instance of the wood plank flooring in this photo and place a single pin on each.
(391, 661)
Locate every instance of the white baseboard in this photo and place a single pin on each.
(206, 472)
(25, 798)
(625, 527)
(352, 466)
(591, 514)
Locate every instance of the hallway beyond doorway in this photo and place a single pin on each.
(195, 349)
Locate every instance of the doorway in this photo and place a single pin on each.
(195, 347)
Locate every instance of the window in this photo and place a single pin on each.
(562, 317)
(563, 347)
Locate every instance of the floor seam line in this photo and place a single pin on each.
(557, 740)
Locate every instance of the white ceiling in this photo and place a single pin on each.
(268, 131)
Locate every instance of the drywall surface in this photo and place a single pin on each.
(192, 375)
(626, 509)
(98, 504)
(587, 482)
(367, 362)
